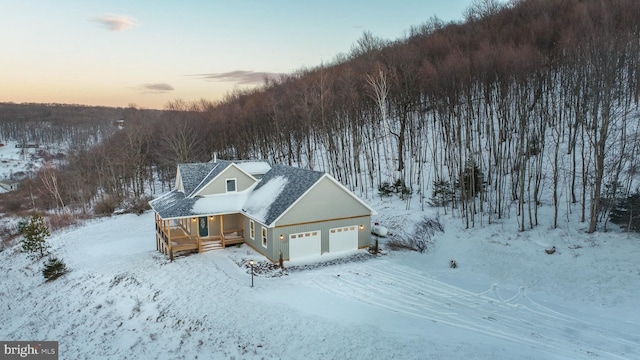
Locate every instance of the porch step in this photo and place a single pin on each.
(210, 245)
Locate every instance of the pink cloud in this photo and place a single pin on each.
(116, 22)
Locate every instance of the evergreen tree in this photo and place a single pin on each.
(627, 212)
(53, 269)
(471, 181)
(35, 234)
(442, 193)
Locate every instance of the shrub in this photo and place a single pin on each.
(398, 187)
(626, 213)
(405, 244)
(385, 189)
(8, 235)
(53, 269)
(442, 193)
(61, 221)
(421, 237)
(139, 205)
(12, 205)
(107, 205)
(401, 189)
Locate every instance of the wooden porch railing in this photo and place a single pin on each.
(170, 240)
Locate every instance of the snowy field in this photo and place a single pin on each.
(507, 299)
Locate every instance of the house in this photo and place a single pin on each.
(9, 184)
(280, 211)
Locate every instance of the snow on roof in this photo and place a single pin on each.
(298, 182)
(262, 198)
(221, 203)
(254, 167)
(265, 201)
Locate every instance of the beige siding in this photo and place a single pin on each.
(326, 201)
(278, 238)
(219, 184)
(256, 243)
(193, 226)
(229, 222)
(362, 223)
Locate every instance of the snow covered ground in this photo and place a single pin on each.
(507, 299)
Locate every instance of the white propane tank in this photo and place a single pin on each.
(378, 229)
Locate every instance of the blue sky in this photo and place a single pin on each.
(122, 52)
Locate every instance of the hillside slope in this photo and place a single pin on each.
(506, 300)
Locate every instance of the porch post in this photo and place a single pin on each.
(198, 242)
(222, 231)
(158, 231)
(170, 250)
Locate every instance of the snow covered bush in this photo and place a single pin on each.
(420, 238)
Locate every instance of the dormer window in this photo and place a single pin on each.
(231, 185)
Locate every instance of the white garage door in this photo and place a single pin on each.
(343, 238)
(304, 244)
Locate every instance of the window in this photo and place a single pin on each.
(231, 185)
(264, 237)
(252, 230)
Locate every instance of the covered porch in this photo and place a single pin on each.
(199, 234)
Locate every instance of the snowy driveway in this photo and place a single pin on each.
(406, 297)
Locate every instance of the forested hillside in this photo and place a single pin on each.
(522, 105)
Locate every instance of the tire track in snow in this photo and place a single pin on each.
(518, 318)
(396, 301)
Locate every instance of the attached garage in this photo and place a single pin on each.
(305, 244)
(343, 238)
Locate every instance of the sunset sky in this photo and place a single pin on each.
(142, 52)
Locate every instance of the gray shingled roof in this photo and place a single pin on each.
(176, 204)
(192, 174)
(204, 180)
(298, 182)
(173, 205)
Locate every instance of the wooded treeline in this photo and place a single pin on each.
(486, 109)
(68, 125)
(522, 103)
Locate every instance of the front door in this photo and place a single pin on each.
(203, 226)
